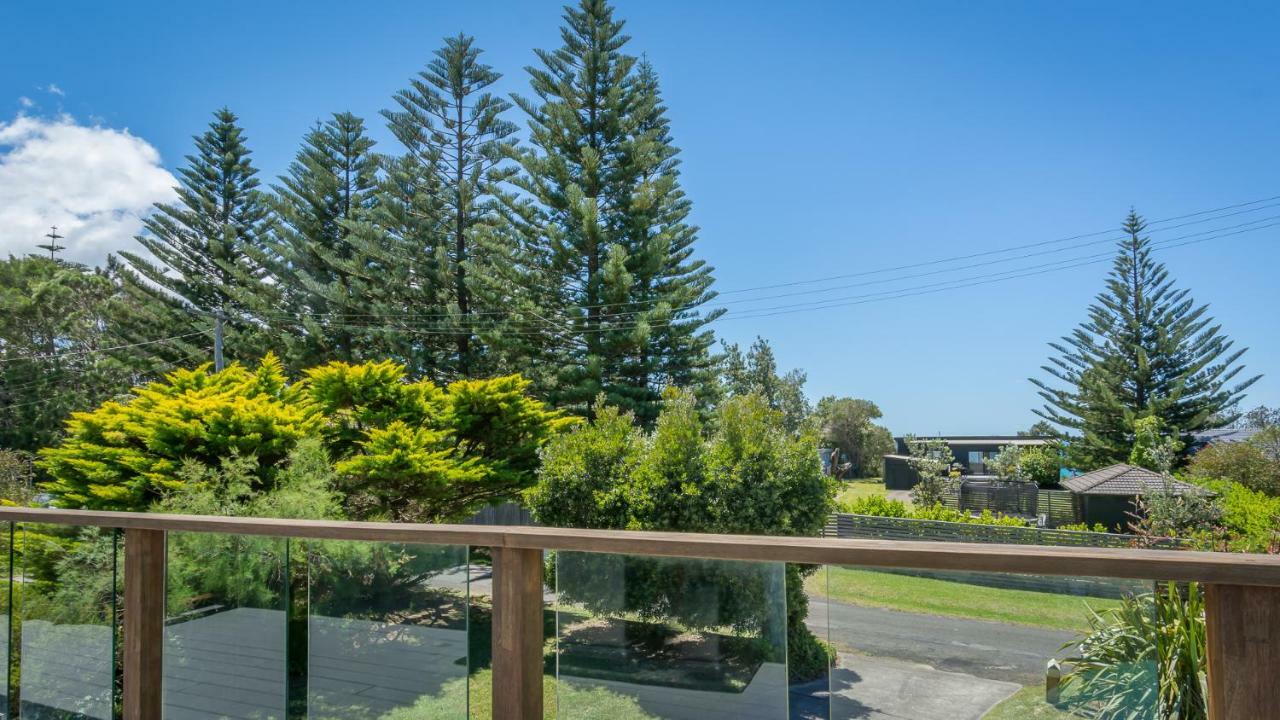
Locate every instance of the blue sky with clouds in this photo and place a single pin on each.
(820, 139)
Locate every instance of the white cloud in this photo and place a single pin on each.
(26, 102)
(95, 183)
(53, 89)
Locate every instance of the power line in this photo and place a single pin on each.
(1253, 206)
(926, 290)
(1011, 248)
(407, 324)
(55, 356)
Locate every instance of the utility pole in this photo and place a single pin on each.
(53, 246)
(217, 341)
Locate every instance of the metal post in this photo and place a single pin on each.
(217, 342)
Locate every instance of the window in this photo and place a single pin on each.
(977, 463)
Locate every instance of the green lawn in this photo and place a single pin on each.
(863, 487)
(1027, 704)
(956, 599)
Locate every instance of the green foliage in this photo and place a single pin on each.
(1153, 447)
(756, 372)
(52, 313)
(880, 506)
(1042, 464)
(877, 505)
(1084, 527)
(750, 475)
(1145, 659)
(1247, 463)
(456, 139)
(401, 450)
(1251, 519)
(17, 478)
(126, 454)
(1166, 513)
(1147, 350)
(932, 460)
(207, 251)
(329, 186)
(582, 482)
(847, 426)
(610, 222)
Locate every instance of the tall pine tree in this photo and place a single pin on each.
(453, 131)
(208, 250)
(612, 217)
(329, 186)
(1147, 350)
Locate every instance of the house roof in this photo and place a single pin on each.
(985, 439)
(1224, 435)
(1126, 480)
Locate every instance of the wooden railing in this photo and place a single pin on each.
(1242, 591)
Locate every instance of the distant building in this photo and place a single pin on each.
(1110, 495)
(1205, 438)
(972, 453)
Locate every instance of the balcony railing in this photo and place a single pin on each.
(358, 646)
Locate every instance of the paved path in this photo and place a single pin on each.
(990, 650)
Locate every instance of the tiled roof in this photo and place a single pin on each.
(1124, 480)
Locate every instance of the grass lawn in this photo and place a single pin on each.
(1027, 704)
(955, 599)
(863, 487)
(590, 703)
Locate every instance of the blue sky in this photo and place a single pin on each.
(818, 139)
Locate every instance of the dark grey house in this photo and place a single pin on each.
(1109, 496)
(972, 452)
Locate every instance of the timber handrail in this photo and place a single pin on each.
(1242, 592)
(1179, 565)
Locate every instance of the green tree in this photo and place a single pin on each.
(756, 372)
(401, 450)
(846, 425)
(606, 204)
(329, 185)
(932, 460)
(454, 130)
(750, 475)
(128, 453)
(58, 346)
(1155, 447)
(1246, 463)
(208, 250)
(1146, 350)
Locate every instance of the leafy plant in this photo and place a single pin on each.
(401, 450)
(1247, 463)
(932, 460)
(750, 475)
(1145, 659)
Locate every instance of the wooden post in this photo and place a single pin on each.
(144, 552)
(517, 634)
(1243, 627)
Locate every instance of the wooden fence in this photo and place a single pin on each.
(1058, 506)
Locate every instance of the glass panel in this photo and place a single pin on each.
(387, 631)
(6, 600)
(67, 612)
(923, 644)
(224, 653)
(640, 637)
(810, 655)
